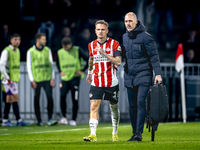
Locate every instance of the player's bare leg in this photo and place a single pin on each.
(94, 107)
(94, 117)
(115, 117)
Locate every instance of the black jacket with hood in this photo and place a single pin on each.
(141, 57)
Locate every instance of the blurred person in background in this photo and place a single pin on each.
(71, 68)
(115, 18)
(41, 74)
(191, 11)
(69, 13)
(163, 10)
(190, 56)
(5, 36)
(95, 11)
(48, 28)
(10, 69)
(51, 11)
(190, 46)
(56, 44)
(83, 39)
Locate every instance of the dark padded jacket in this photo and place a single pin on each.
(141, 57)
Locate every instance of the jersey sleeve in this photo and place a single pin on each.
(117, 49)
(90, 50)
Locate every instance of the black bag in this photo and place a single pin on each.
(157, 107)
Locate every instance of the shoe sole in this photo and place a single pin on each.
(132, 140)
(115, 141)
(138, 139)
(87, 140)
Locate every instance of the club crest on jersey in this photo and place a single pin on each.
(107, 50)
(90, 95)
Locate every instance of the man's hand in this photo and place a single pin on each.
(79, 72)
(89, 78)
(99, 49)
(158, 79)
(34, 84)
(114, 60)
(60, 85)
(62, 74)
(52, 83)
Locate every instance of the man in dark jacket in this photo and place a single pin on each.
(141, 59)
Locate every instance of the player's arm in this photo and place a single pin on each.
(3, 61)
(90, 64)
(52, 81)
(29, 70)
(90, 67)
(114, 60)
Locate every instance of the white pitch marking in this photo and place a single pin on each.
(106, 128)
(48, 131)
(4, 129)
(41, 132)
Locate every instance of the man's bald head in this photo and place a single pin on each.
(131, 14)
(130, 21)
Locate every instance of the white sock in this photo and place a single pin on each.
(93, 126)
(115, 116)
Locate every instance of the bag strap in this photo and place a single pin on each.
(152, 134)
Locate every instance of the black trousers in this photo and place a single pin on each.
(72, 85)
(137, 106)
(48, 90)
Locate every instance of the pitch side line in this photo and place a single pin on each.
(41, 132)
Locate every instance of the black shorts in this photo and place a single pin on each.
(110, 93)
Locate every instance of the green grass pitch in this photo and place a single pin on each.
(170, 136)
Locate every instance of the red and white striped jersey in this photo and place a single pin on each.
(104, 72)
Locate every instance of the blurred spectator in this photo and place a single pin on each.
(56, 42)
(66, 32)
(50, 13)
(191, 46)
(47, 28)
(191, 11)
(115, 18)
(84, 39)
(163, 12)
(69, 14)
(5, 36)
(191, 38)
(95, 11)
(190, 56)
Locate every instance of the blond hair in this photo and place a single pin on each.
(101, 22)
